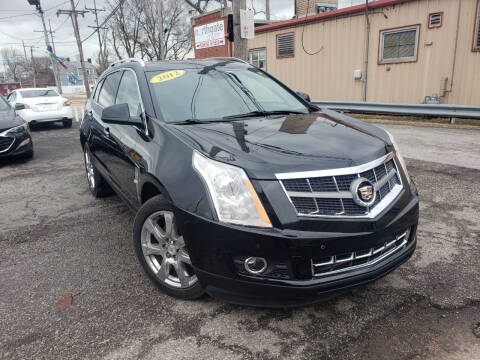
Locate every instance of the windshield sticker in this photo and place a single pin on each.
(165, 76)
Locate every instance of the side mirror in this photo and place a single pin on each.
(119, 114)
(304, 96)
(19, 106)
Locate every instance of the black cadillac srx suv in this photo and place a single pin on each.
(241, 187)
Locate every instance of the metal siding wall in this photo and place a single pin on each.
(329, 74)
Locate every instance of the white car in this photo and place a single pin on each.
(36, 105)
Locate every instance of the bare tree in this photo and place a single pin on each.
(168, 34)
(153, 30)
(103, 56)
(126, 26)
(13, 60)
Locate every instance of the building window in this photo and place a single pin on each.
(322, 7)
(435, 20)
(399, 45)
(257, 57)
(285, 45)
(476, 36)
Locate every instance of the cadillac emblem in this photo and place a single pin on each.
(363, 192)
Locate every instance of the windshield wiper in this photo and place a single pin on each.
(189, 121)
(263, 113)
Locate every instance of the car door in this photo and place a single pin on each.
(128, 135)
(103, 141)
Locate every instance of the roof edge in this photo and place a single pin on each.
(328, 15)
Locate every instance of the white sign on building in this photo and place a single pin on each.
(247, 26)
(210, 35)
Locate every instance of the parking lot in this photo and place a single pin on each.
(56, 239)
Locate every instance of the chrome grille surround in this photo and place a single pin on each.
(336, 200)
(6, 143)
(358, 259)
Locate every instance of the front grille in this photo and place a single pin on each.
(327, 192)
(5, 143)
(358, 259)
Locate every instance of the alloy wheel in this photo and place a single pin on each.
(164, 251)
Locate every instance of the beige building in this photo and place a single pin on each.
(415, 48)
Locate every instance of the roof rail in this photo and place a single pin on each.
(228, 58)
(140, 61)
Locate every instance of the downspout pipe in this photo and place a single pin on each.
(367, 49)
(456, 45)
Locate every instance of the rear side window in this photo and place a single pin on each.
(109, 89)
(128, 93)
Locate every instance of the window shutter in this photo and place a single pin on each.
(435, 21)
(285, 45)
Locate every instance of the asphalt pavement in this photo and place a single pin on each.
(56, 240)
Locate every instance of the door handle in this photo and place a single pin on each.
(90, 113)
(106, 131)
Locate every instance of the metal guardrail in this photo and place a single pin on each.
(431, 110)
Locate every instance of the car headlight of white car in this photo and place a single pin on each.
(399, 156)
(233, 196)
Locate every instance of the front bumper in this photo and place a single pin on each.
(31, 116)
(21, 144)
(213, 248)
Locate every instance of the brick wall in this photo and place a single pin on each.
(216, 51)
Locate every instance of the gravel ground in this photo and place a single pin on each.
(56, 239)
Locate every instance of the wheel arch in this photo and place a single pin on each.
(149, 187)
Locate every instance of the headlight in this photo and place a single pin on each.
(16, 130)
(399, 156)
(232, 193)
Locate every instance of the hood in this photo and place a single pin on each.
(9, 119)
(298, 142)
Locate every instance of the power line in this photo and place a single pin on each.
(114, 10)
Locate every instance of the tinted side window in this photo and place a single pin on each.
(109, 89)
(128, 93)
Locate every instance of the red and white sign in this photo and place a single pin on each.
(247, 25)
(210, 35)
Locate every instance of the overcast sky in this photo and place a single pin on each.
(18, 20)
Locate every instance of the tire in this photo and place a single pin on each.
(162, 252)
(67, 123)
(97, 185)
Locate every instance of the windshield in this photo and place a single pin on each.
(4, 105)
(38, 93)
(216, 92)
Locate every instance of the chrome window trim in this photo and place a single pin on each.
(382, 205)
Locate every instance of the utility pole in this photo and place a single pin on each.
(240, 49)
(95, 10)
(34, 69)
(47, 43)
(57, 73)
(24, 51)
(73, 15)
(267, 9)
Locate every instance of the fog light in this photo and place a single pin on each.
(255, 265)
